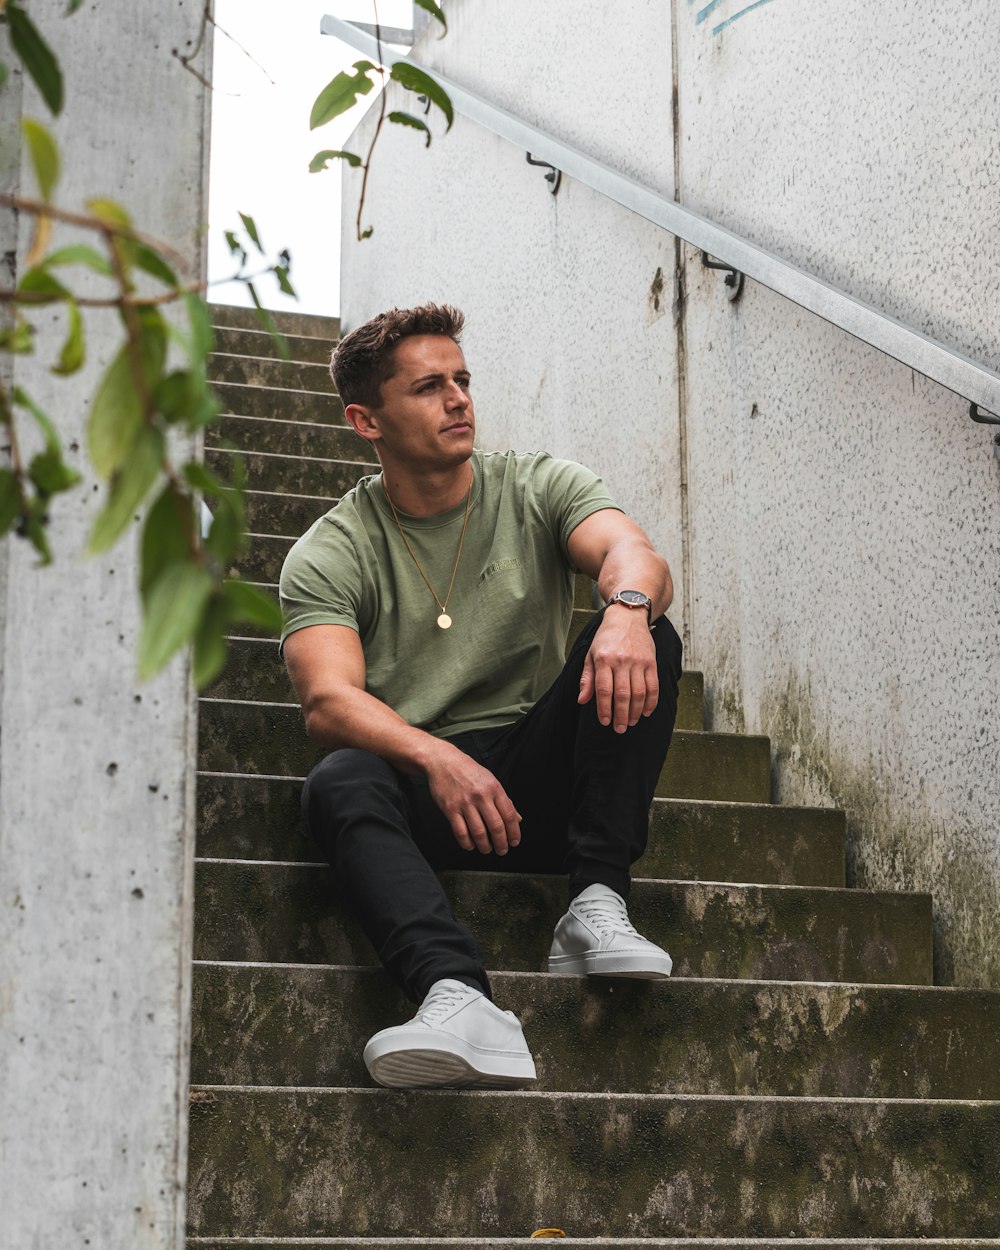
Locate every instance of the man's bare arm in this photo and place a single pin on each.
(327, 668)
(620, 668)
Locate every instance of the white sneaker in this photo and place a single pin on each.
(457, 1039)
(596, 938)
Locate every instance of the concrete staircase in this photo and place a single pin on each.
(799, 1076)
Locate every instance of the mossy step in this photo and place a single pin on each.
(239, 317)
(294, 375)
(261, 818)
(289, 438)
(298, 475)
(266, 1024)
(590, 1243)
(256, 671)
(233, 341)
(271, 512)
(279, 404)
(281, 913)
(381, 1163)
(270, 739)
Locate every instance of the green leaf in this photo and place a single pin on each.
(81, 254)
(210, 648)
(10, 500)
(40, 282)
(168, 536)
(269, 324)
(414, 79)
(72, 6)
(226, 536)
(281, 273)
(51, 474)
(44, 156)
(110, 212)
(152, 262)
(202, 478)
(130, 487)
(407, 119)
(36, 56)
(200, 321)
(24, 400)
(251, 228)
(340, 94)
(173, 613)
(72, 355)
(116, 413)
(322, 159)
(234, 243)
(19, 339)
(32, 527)
(367, 234)
(430, 7)
(250, 603)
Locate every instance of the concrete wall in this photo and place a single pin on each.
(832, 518)
(96, 771)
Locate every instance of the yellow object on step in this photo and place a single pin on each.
(548, 1232)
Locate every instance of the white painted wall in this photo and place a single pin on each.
(837, 517)
(96, 772)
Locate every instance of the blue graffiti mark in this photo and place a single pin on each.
(736, 16)
(707, 11)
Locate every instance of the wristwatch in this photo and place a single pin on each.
(633, 599)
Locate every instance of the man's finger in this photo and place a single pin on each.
(587, 681)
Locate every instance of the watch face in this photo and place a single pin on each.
(634, 598)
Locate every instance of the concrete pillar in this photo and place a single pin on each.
(96, 771)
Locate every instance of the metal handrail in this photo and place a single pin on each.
(958, 373)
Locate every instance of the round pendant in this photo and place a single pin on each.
(444, 621)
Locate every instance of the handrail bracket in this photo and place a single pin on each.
(734, 279)
(981, 416)
(553, 177)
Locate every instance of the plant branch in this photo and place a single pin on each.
(89, 222)
(378, 124)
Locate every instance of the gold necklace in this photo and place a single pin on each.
(444, 620)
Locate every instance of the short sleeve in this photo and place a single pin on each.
(321, 581)
(568, 493)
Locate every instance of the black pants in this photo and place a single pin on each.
(582, 790)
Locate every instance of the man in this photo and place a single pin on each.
(425, 621)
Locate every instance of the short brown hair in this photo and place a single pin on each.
(362, 360)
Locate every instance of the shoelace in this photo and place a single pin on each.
(439, 1002)
(607, 914)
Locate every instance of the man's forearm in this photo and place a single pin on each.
(634, 565)
(353, 718)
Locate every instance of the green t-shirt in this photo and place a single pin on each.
(511, 604)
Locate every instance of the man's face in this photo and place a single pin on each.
(426, 419)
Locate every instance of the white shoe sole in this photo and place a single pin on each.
(646, 966)
(422, 1062)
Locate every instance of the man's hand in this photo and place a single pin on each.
(475, 803)
(620, 668)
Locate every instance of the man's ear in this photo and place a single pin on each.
(363, 421)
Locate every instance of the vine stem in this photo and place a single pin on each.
(89, 222)
(378, 124)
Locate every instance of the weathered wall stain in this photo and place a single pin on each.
(713, 5)
(884, 851)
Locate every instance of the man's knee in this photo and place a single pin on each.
(669, 648)
(343, 783)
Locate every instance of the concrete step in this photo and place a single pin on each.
(290, 1162)
(265, 371)
(233, 341)
(267, 1024)
(296, 475)
(313, 325)
(256, 671)
(260, 818)
(591, 1243)
(288, 913)
(279, 404)
(269, 738)
(289, 438)
(268, 512)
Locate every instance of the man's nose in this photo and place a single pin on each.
(458, 396)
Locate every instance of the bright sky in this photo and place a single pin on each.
(265, 79)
